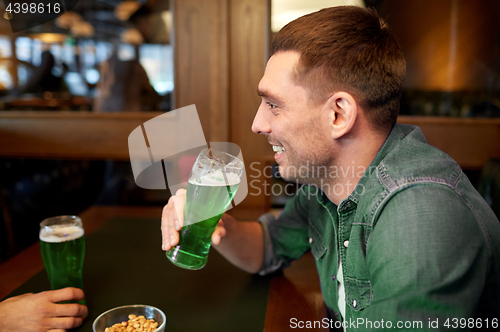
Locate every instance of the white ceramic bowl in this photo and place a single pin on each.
(120, 314)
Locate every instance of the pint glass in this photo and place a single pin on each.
(62, 244)
(212, 184)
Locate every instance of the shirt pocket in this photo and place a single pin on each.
(316, 242)
(358, 293)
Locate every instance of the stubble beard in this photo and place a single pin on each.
(307, 172)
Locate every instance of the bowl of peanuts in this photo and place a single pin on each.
(131, 318)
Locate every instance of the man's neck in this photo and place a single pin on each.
(351, 165)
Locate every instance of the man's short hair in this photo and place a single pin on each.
(348, 49)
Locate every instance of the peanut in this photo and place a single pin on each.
(134, 324)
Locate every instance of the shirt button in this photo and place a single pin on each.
(336, 314)
(346, 243)
(333, 277)
(310, 240)
(354, 303)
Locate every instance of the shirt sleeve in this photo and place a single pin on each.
(286, 238)
(428, 259)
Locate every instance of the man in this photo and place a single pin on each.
(398, 233)
(42, 312)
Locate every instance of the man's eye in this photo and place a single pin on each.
(271, 106)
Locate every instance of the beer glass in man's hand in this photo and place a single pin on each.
(62, 244)
(212, 184)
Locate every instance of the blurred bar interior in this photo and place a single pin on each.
(109, 65)
(81, 59)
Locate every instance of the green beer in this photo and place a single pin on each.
(207, 198)
(62, 245)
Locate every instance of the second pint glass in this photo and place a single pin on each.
(62, 244)
(212, 184)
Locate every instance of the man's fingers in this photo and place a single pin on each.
(65, 323)
(219, 233)
(179, 203)
(167, 209)
(65, 294)
(71, 310)
(67, 309)
(173, 219)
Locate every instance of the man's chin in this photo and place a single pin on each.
(290, 174)
(284, 173)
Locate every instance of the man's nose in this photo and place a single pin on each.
(260, 123)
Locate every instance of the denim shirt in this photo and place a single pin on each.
(416, 241)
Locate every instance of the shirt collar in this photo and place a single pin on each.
(397, 133)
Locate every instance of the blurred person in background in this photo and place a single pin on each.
(124, 87)
(43, 78)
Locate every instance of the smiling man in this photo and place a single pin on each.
(312, 138)
(398, 233)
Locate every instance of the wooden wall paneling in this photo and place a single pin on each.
(448, 44)
(201, 63)
(68, 135)
(249, 40)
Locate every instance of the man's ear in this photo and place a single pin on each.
(343, 113)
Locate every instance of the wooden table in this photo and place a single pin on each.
(294, 294)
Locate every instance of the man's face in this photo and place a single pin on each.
(297, 129)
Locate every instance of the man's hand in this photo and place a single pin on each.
(243, 246)
(41, 312)
(172, 220)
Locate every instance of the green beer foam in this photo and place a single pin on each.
(217, 178)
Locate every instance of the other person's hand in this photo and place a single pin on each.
(42, 312)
